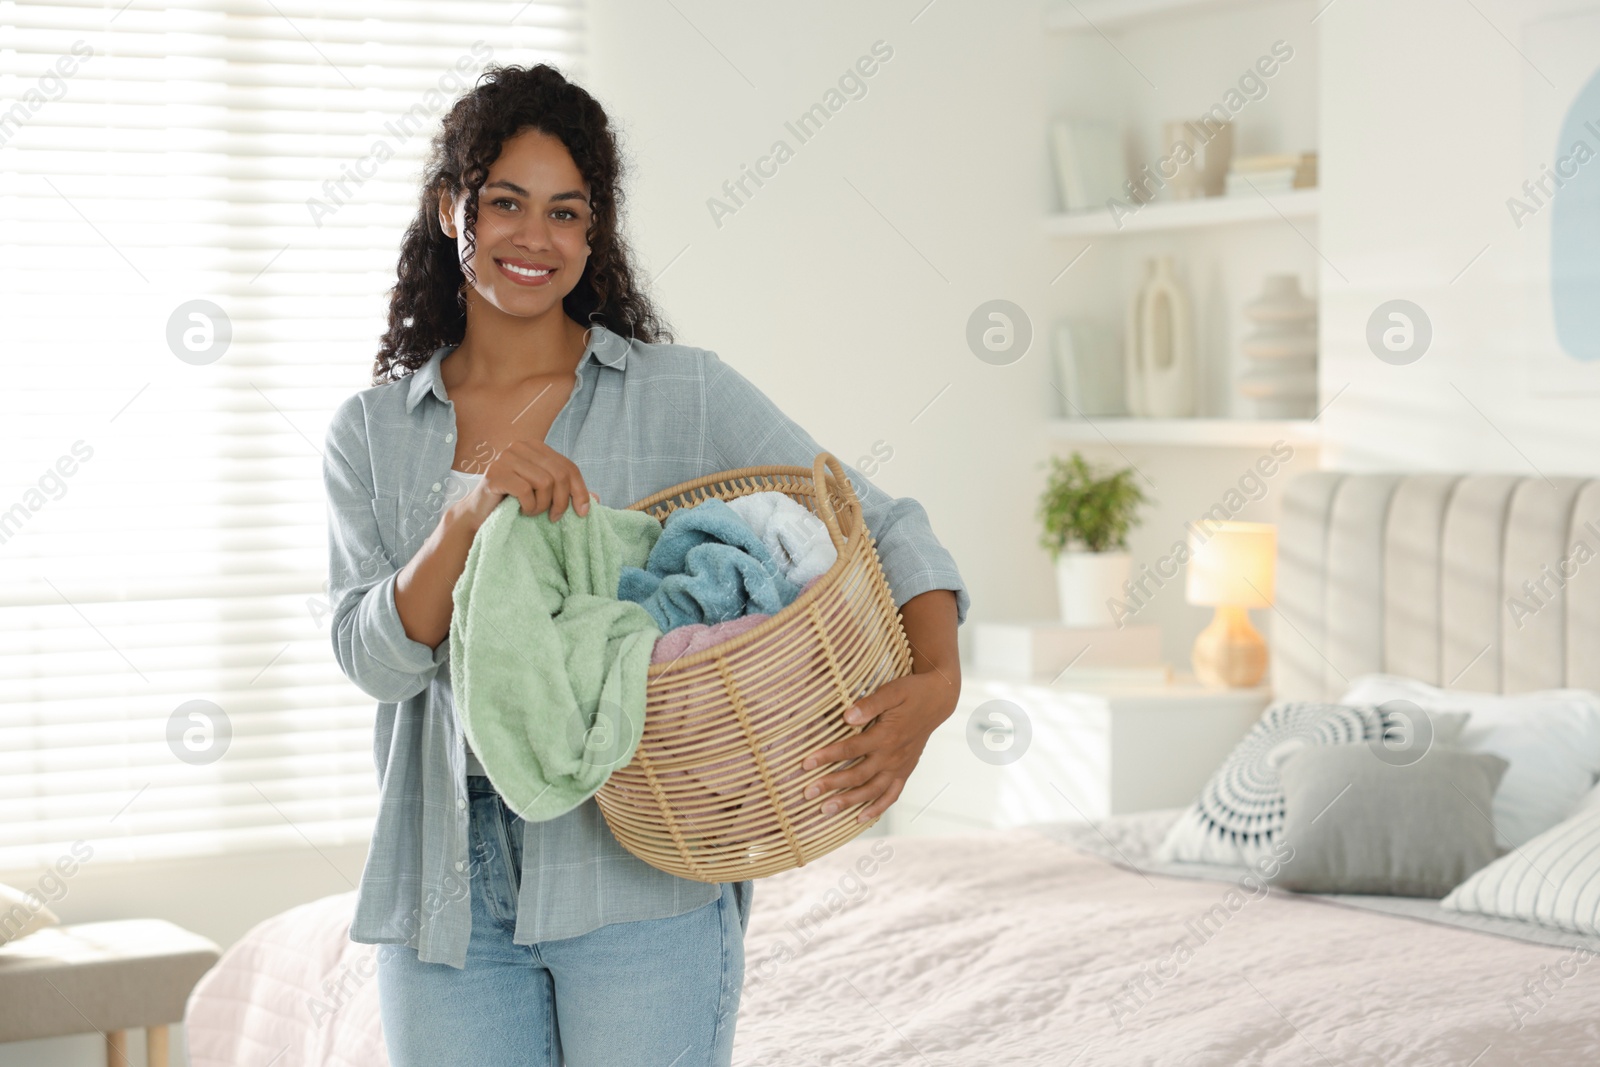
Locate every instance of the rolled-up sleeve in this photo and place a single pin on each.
(369, 640)
(745, 428)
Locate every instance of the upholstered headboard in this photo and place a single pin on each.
(1423, 575)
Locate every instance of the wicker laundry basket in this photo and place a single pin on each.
(714, 791)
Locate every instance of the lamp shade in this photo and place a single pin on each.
(1232, 565)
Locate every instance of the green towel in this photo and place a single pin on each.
(547, 665)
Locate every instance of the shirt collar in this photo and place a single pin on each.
(604, 348)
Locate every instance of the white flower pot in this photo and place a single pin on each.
(1086, 580)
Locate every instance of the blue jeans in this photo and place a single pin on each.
(652, 993)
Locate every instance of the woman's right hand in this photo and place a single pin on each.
(537, 475)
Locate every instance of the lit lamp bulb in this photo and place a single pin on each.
(1231, 568)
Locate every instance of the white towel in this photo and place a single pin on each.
(797, 539)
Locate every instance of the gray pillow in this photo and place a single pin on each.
(1237, 820)
(1357, 823)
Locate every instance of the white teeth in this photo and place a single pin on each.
(524, 272)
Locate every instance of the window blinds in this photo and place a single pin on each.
(200, 207)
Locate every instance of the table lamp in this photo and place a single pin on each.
(1231, 568)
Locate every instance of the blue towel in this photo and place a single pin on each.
(708, 566)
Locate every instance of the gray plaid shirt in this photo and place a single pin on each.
(641, 418)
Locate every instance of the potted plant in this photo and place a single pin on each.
(1086, 519)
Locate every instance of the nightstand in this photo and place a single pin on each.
(1018, 752)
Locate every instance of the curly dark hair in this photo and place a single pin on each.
(427, 305)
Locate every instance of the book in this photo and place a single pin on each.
(1256, 164)
(1270, 181)
(1088, 362)
(1089, 163)
(1272, 174)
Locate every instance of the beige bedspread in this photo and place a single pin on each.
(1011, 947)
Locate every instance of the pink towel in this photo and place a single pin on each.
(682, 641)
(697, 636)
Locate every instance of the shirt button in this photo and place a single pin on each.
(449, 437)
(436, 487)
(461, 865)
(461, 803)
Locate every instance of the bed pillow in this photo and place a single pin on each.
(19, 916)
(1553, 880)
(1354, 823)
(1551, 739)
(1239, 813)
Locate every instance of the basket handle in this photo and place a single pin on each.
(824, 463)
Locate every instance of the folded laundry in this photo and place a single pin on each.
(547, 665)
(708, 566)
(797, 539)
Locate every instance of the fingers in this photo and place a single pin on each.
(853, 775)
(837, 752)
(560, 495)
(862, 711)
(890, 694)
(530, 481)
(566, 489)
(541, 480)
(883, 803)
(872, 789)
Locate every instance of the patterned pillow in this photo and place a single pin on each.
(1239, 814)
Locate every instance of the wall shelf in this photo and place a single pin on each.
(1163, 216)
(1108, 16)
(1239, 433)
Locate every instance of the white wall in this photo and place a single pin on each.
(1423, 141)
(843, 286)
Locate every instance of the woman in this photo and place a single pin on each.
(522, 359)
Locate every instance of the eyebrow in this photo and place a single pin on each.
(570, 194)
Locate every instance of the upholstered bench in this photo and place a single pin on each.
(108, 977)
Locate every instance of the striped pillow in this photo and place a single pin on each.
(1553, 880)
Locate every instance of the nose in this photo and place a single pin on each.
(532, 232)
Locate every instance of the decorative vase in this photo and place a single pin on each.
(1085, 581)
(1160, 346)
(1280, 379)
(1132, 380)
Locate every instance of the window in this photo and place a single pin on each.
(200, 207)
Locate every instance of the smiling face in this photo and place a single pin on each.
(533, 218)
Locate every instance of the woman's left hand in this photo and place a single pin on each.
(900, 715)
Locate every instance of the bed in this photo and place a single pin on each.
(1057, 943)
